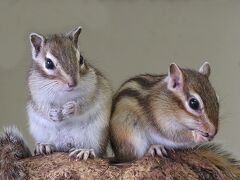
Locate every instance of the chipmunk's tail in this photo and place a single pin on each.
(221, 159)
(12, 149)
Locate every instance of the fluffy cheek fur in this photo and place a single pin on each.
(41, 86)
(188, 121)
(195, 129)
(45, 91)
(198, 123)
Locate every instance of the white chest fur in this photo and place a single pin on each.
(82, 131)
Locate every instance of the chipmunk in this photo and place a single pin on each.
(69, 100)
(152, 114)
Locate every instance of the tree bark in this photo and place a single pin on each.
(178, 165)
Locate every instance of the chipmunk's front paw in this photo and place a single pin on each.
(55, 114)
(157, 150)
(69, 109)
(83, 154)
(44, 149)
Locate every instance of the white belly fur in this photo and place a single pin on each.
(82, 131)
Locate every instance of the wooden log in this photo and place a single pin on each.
(179, 165)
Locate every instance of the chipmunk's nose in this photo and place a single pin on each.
(213, 133)
(72, 84)
(210, 135)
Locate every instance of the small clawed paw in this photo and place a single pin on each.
(158, 150)
(83, 154)
(44, 149)
(55, 115)
(69, 108)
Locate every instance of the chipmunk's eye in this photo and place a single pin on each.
(49, 64)
(81, 61)
(194, 103)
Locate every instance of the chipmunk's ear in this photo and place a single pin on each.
(37, 42)
(74, 34)
(175, 78)
(205, 69)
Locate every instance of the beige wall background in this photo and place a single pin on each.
(124, 38)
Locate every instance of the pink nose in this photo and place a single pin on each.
(72, 84)
(210, 135)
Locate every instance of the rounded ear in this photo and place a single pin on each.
(205, 69)
(37, 42)
(175, 78)
(74, 34)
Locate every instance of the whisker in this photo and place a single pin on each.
(48, 84)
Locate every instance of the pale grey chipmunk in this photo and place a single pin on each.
(69, 100)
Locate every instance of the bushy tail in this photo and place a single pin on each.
(220, 159)
(12, 149)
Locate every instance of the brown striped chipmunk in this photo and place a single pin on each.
(153, 113)
(69, 100)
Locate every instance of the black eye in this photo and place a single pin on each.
(193, 103)
(81, 60)
(49, 64)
